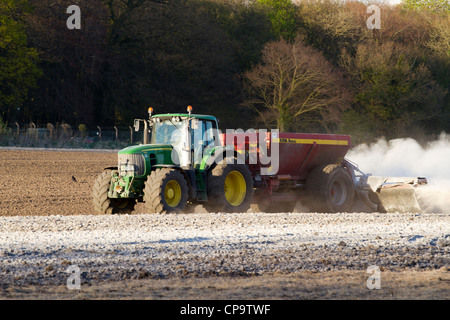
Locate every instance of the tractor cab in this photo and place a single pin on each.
(190, 136)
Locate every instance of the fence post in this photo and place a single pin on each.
(34, 130)
(51, 129)
(18, 129)
(99, 133)
(117, 133)
(131, 134)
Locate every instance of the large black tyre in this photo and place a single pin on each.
(165, 191)
(330, 189)
(230, 188)
(105, 205)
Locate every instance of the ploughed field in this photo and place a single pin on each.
(47, 225)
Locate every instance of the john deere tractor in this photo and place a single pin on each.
(180, 163)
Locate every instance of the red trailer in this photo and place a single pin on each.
(311, 168)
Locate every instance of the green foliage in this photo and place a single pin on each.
(83, 130)
(282, 15)
(3, 126)
(427, 5)
(394, 89)
(247, 28)
(333, 27)
(18, 62)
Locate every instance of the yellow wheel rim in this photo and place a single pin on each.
(172, 193)
(235, 188)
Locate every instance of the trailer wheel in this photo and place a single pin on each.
(165, 191)
(105, 205)
(230, 188)
(330, 189)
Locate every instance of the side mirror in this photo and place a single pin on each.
(137, 124)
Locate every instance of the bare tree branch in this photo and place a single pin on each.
(294, 79)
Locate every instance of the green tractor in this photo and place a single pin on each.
(181, 163)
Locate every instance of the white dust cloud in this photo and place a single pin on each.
(407, 158)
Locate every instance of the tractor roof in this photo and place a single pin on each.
(197, 116)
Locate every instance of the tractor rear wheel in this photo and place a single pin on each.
(230, 188)
(105, 205)
(165, 191)
(330, 189)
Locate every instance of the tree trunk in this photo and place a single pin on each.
(285, 119)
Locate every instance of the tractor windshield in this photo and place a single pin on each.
(168, 131)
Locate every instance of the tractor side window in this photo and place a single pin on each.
(209, 134)
(202, 137)
(197, 141)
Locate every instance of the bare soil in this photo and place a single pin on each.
(43, 183)
(332, 285)
(50, 182)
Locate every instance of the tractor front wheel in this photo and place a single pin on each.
(105, 205)
(165, 191)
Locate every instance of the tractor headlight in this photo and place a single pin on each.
(119, 189)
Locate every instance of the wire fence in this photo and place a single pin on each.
(63, 135)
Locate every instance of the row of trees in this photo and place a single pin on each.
(298, 66)
(339, 75)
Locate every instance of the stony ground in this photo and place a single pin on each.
(47, 228)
